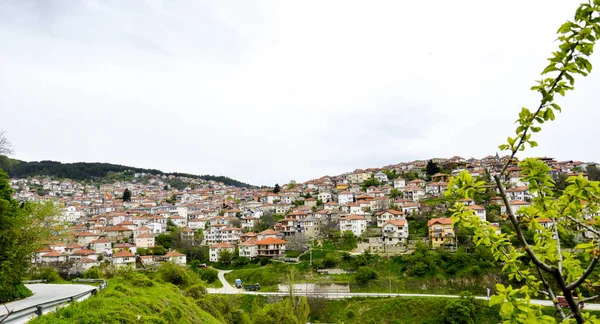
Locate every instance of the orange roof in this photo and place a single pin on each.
(399, 222)
(269, 232)
(391, 211)
(84, 252)
(222, 245)
(173, 254)
(145, 235)
(475, 207)
(271, 240)
(118, 228)
(87, 234)
(123, 254)
(518, 202)
(442, 221)
(356, 217)
(249, 242)
(52, 254)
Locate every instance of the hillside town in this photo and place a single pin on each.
(150, 219)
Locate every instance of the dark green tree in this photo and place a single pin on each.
(127, 195)
(593, 172)
(277, 189)
(432, 168)
(22, 229)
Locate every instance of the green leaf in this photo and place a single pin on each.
(496, 300)
(549, 68)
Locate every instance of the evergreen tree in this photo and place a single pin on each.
(126, 195)
(432, 168)
(277, 189)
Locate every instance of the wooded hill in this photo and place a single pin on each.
(91, 171)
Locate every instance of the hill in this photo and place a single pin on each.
(92, 171)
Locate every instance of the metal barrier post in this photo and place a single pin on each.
(39, 310)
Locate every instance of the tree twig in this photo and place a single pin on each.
(519, 232)
(551, 295)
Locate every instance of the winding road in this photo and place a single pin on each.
(43, 293)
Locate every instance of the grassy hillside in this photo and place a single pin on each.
(133, 301)
(91, 171)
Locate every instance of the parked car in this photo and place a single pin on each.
(562, 302)
(253, 287)
(238, 283)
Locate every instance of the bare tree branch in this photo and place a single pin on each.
(584, 225)
(551, 295)
(589, 298)
(5, 146)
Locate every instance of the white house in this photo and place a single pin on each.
(197, 223)
(176, 257)
(145, 240)
(248, 249)
(355, 223)
(345, 197)
(215, 251)
(388, 215)
(515, 205)
(399, 183)
(381, 177)
(395, 231)
(479, 211)
(123, 258)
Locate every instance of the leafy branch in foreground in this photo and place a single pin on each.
(541, 264)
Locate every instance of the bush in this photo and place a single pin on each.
(48, 274)
(13, 293)
(208, 274)
(195, 291)
(330, 261)
(175, 274)
(92, 273)
(264, 261)
(364, 275)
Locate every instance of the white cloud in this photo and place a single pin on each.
(271, 91)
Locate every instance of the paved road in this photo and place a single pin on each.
(228, 289)
(43, 293)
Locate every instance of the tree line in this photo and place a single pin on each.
(92, 171)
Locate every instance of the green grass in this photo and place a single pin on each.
(392, 310)
(292, 254)
(123, 301)
(269, 276)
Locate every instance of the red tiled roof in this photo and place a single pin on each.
(123, 254)
(443, 221)
(399, 222)
(271, 240)
(222, 245)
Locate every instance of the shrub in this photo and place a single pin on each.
(139, 280)
(195, 291)
(14, 292)
(330, 261)
(176, 274)
(209, 275)
(364, 275)
(47, 273)
(264, 261)
(92, 273)
(350, 314)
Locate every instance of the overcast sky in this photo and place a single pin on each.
(270, 91)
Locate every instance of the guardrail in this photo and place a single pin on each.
(25, 314)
